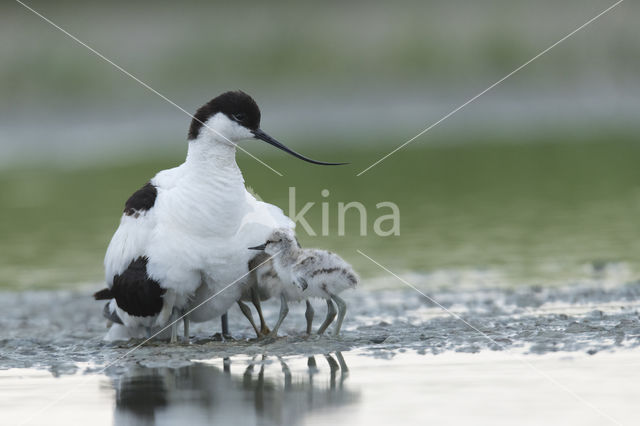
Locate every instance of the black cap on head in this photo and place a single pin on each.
(238, 106)
(242, 109)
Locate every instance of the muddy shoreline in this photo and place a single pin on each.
(58, 330)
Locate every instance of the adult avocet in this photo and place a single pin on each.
(183, 236)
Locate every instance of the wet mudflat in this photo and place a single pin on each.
(400, 358)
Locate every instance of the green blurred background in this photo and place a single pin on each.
(537, 181)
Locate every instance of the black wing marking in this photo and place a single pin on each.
(104, 294)
(141, 200)
(135, 292)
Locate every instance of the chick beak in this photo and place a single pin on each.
(259, 248)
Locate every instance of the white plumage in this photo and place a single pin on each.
(257, 223)
(194, 236)
(183, 237)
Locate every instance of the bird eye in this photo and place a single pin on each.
(239, 116)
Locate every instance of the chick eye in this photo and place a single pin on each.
(239, 116)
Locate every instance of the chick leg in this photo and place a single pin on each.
(168, 302)
(255, 299)
(342, 310)
(308, 314)
(173, 319)
(284, 310)
(331, 314)
(224, 325)
(247, 313)
(185, 324)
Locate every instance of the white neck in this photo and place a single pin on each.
(215, 194)
(211, 154)
(211, 150)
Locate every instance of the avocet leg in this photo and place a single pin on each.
(247, 313)
(331, 314)
(308, 314)
(342, 310)
(284, 310)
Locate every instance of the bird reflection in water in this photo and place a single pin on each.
(268, 390)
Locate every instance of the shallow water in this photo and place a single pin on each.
(529, 250)
(541, 212)
(345, 388)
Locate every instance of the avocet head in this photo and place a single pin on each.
(280, 241)
(233, 117)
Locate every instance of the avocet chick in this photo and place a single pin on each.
(265, 283)
(256, 294)
(317, 273)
